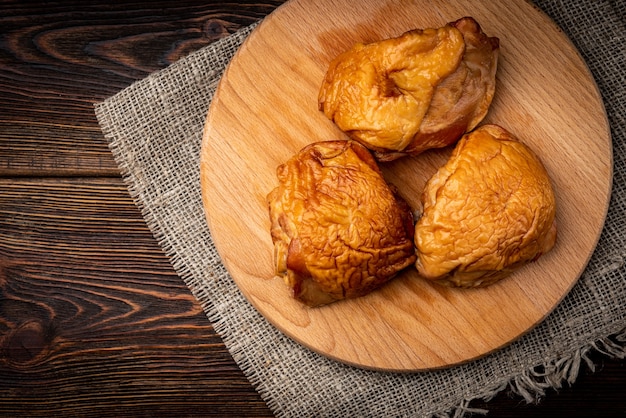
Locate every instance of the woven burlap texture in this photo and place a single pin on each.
(155, 130)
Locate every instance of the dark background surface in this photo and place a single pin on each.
(93, 319)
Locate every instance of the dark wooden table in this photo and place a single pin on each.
(93, 319)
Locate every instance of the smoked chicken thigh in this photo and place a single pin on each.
(489, 210)
(339, 230)
(421, 90)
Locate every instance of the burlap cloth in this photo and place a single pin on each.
(155, 129)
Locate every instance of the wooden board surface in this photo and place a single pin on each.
(265, 110)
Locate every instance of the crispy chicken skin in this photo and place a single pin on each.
(421, 90)
(487, 211)
(339, 230)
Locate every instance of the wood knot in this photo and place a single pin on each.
(215, 29)
(26, 344)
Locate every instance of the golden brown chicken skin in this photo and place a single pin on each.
(339, 230)
(489, 210)
(421, 90)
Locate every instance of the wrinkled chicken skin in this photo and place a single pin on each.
(339, 230)
(421, 90)
(489, 210)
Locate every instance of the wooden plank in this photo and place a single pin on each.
(94, 322)
(57, 61)
(93, 319)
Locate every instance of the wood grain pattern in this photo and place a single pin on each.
(409, 324)
(58, 60)
(93, 320)
(74, 250)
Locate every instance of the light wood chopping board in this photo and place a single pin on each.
(265, 110)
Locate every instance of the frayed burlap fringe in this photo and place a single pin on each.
(532, 385)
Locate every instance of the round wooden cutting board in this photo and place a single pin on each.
(265, 110)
